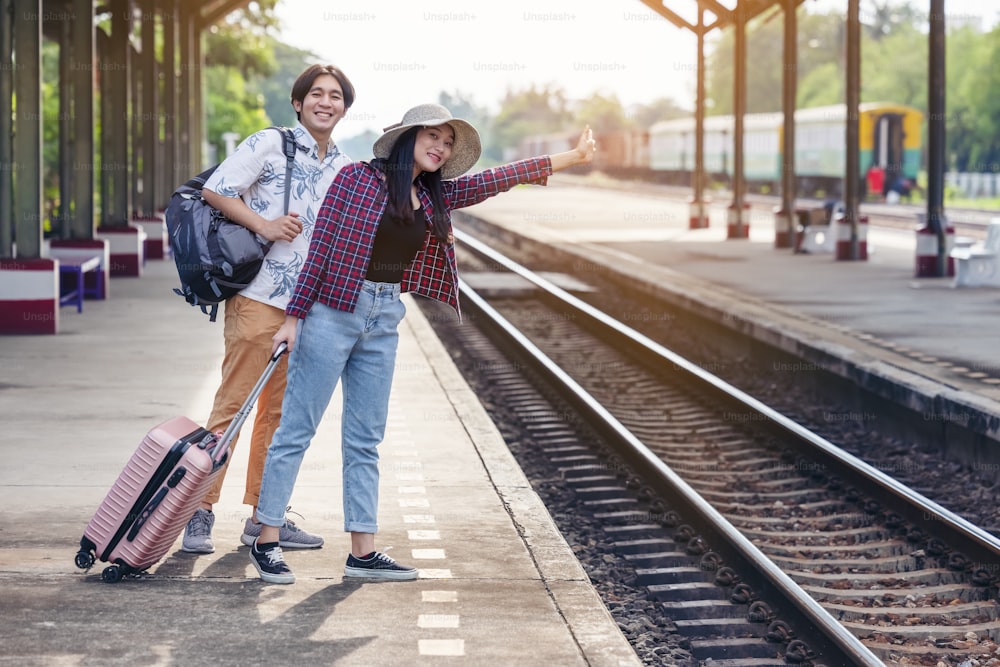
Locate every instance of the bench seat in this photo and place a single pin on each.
(978, 265)
(75, 270)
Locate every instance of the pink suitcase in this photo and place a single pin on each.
(158, 491)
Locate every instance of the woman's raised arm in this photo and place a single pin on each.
(583, 153)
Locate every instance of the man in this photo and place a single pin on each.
(249, 189)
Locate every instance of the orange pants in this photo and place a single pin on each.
(248, 330)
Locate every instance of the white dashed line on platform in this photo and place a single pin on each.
(439, 596)
(442, 647)
(437, 621)
(424, 534)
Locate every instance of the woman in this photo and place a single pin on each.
(384, 228)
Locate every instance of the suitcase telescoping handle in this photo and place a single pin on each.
(234, 426)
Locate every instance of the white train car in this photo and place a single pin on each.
(672, 145)
(889, 137)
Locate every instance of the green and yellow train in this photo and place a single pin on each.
(890, 137)
(889, 141)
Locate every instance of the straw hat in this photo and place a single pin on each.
(464, 153)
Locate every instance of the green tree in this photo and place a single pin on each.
(240, 55)
(973, 120)
(242, 39)
(603, 113)
(887, 16)
(820, 45)
(234, 105)
(276, 88)
(821, 86)
(359, 146)
(50, 132)
(664, 108)
(461, 105)
(528, 113)
(894, 67)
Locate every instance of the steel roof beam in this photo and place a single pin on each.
(720, 11)
(657, 6)
(723, 17)
(212, 12)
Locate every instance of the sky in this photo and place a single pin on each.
(402, 53)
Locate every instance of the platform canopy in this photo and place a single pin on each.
(718, 13)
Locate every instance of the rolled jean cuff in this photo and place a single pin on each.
(270, 521)
(358, 527)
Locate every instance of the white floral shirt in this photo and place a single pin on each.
(256, 172)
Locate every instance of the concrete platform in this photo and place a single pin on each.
(922, 341)
(498, 582)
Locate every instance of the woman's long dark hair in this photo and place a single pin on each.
(398, 170)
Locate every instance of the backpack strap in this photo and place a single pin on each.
(211, 312)
(289, 146)
(195, 301)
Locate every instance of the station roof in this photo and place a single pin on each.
(682, 13)
(212, 11)
(718, 13)
(207, 11)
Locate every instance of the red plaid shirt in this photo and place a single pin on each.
(345, 233)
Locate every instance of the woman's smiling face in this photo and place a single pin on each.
(432, 148)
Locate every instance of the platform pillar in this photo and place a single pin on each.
(155, 227)
(126, 246)
(736, 225)
(785, 224)
(927, 248)
(29, 296)
(842, 250)
(698, 218)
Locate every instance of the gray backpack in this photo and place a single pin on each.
(216, 258)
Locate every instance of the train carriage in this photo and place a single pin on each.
(623, 154)
(889, 138)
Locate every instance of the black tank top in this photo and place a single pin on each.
(397, 242)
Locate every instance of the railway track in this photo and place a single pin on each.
(758, 539)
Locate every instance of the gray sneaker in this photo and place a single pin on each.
(290, 536)
(198, 533)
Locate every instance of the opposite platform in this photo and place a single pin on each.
(920, 341)
(498, 582)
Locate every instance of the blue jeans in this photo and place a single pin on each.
(358, 348)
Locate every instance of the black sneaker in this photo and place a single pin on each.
(270, 564)
(378, 566)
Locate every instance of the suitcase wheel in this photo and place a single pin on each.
(112, 574)
(84, 559)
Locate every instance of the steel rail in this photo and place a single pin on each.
(970, 539)
(829, 638)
